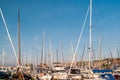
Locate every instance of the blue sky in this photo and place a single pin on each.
(61, 20)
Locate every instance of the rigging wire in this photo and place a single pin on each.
(11, 41)
(79, 39)
(9, 37)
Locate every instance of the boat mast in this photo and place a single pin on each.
(43, 35)
(51, 54)
(100, 58)
(90, 36)
(3, 57)
(36, 56)
(83, 54)
(61, 52)
(19, 52)
(57, 54)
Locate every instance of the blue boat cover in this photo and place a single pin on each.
(105, 75)
(101, 71)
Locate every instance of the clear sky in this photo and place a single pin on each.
(61, 20)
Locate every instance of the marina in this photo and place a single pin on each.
(46, 63)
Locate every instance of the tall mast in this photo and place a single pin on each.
(100, 58)
(90, 41)
(19, 52)
(42, 47)
(83, 54)
(51, 54)
(57, 54)
(61, 52)
(36, 56)
(3, 57)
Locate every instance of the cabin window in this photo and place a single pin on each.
(4, 68)
(75, 71)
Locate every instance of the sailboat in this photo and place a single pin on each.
(43, 73)
(117, 74)
(92, 74)
(4, 71)
(59, 72)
